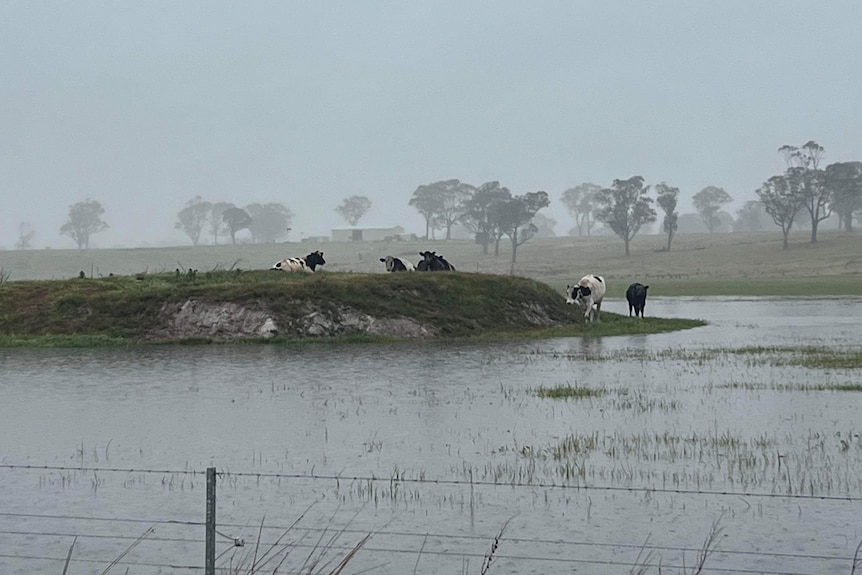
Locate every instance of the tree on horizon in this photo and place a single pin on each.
(352, 209)
(85, 219)
(803, 166)
(625, 207)
(782, 201)
(667, 197)
(193, 218)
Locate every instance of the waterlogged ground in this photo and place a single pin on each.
(747, 429)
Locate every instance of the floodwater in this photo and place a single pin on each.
(436, 450)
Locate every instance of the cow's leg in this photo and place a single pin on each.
(598, 310)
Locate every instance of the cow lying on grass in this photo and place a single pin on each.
(587, 293)
(394, 264)
(306, 264)
(431, 262)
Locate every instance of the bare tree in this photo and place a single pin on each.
(25, 236)
(667, 197)
(625, 207)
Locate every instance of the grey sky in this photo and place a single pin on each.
(143, 105)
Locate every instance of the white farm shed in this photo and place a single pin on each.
(357, 234)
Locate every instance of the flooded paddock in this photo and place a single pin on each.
(746, 429)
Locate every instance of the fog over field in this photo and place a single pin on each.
(145, 105)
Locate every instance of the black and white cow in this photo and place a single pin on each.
(433, 263)
(636, 295)
(305, 264)
(587, 293)
(394, 264)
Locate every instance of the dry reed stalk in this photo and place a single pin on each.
(270, 553)
(489, 557)
(709, 545)
(131, 546)
(424, 540)
(856, 559)
(69, 556)
(314, 563)
(641, 565)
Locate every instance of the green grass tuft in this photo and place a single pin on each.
(568, 392)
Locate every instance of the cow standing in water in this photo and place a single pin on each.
(588, 293)
(636, 296)
(306, 264)
(394, 264)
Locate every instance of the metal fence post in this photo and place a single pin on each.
(209, 565)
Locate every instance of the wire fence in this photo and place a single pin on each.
(23, 534)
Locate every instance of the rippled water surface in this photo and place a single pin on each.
(438, 447)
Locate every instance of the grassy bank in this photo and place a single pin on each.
(119, 310)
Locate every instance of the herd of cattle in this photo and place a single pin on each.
(588, 293)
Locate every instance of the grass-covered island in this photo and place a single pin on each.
(218, 306)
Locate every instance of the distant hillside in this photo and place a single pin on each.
(743, 263)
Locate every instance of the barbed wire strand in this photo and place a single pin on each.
(453, 554)
(455, 482)
(276, 543)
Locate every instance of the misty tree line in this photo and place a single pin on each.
(804, 195)
(490, 211)
(267, 222)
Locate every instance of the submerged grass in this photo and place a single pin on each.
(567, 392)
(812, 357)
(694, 460)
(851, 387)
(807, 356)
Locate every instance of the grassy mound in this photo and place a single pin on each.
(147, 308)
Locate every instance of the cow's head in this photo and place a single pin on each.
(314, 259)
(390, 263)
(578, 294)
(428, 257)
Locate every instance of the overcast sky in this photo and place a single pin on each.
(143, 105)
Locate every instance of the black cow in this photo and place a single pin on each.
(433, 263)
(636, 295)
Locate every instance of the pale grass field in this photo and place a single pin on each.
(741, 263)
